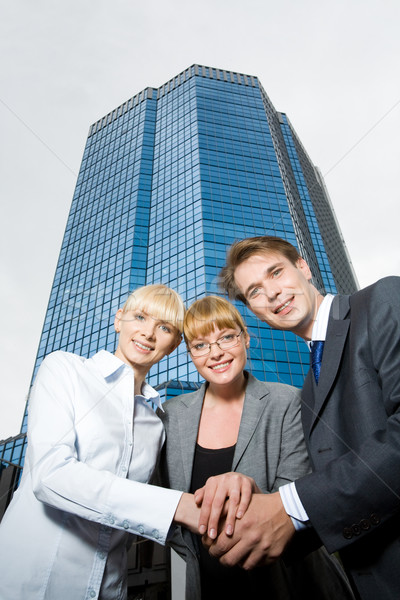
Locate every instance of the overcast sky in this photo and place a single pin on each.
(333, 67)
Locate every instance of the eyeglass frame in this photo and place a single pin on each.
(217, 342)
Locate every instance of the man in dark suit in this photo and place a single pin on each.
(351, 420)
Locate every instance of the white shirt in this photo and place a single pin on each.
(92, 446)
(289, 496)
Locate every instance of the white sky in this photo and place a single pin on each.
(333, 67)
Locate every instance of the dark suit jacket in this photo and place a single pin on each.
(351, 422)
(270, 448)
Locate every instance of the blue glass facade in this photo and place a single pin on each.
(168, 181)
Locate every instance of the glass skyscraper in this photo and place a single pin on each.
(168, 181)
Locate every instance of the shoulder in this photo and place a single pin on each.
(176, 403)
(280, 394)
(377, 303)
(61, 359)
(382, 290)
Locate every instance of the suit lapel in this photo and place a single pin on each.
(252, 411)
(188, 423)
(336, 336)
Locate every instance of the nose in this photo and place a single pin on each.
(215, 350)
(149, 328)
(272, 290)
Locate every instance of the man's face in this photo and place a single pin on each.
(279, 292)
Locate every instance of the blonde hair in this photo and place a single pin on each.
(160, 302)
(208, 313)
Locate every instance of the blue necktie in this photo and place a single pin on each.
(317, 349)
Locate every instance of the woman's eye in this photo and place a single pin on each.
(139, 317)
(199, 346)
(165, 328)
(228, 337)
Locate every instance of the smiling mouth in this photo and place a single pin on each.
(220, 366)
(142, 347)
(283, 306)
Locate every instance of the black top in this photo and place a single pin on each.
(217, 582)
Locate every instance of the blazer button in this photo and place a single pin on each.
(356, 529)
(375, 520)
(365, 524)
(347, 533)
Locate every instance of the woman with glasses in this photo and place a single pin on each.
(235, 423)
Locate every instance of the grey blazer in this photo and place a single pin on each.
(352, 429)
(271, 449)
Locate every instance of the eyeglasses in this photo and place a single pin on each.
(224, 343)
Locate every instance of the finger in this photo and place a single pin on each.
(245, 498)
(218, 547)
(231, 515)
(216, 510)
(199, 495)
(207, 502)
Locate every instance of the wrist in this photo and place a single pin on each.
(187, 513)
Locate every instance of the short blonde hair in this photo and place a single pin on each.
(208, 313)
(160, 302)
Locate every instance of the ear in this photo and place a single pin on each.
(304, 268)
(117, 320)
(246, 338)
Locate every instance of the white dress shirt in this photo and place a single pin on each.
(92, 446)
(289, 496)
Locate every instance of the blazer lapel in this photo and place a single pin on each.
(336, 336)
(188, 423)
(252, 411)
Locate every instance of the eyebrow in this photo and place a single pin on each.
(267, 271)
(220, 335)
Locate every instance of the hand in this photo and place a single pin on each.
(260, 536)
(234, 487)
(187, 513)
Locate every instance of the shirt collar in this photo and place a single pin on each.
(108, 364)
(150, 395)
(321, 322)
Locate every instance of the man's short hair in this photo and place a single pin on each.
(244, 249)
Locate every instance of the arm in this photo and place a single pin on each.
(293, 457)
(361, 487)
(62, 480)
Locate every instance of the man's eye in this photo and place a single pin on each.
(254, 292)
(276, 273)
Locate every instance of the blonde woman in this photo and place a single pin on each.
(235, 423)
(93, 443)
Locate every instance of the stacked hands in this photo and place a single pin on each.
(239, 524)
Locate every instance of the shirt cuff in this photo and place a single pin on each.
(293, 506)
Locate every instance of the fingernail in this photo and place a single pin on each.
(202, 529)
(229, 530)
(212, 534)
(239, 515)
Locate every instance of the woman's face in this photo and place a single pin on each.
(143, 340)
(221, 366)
